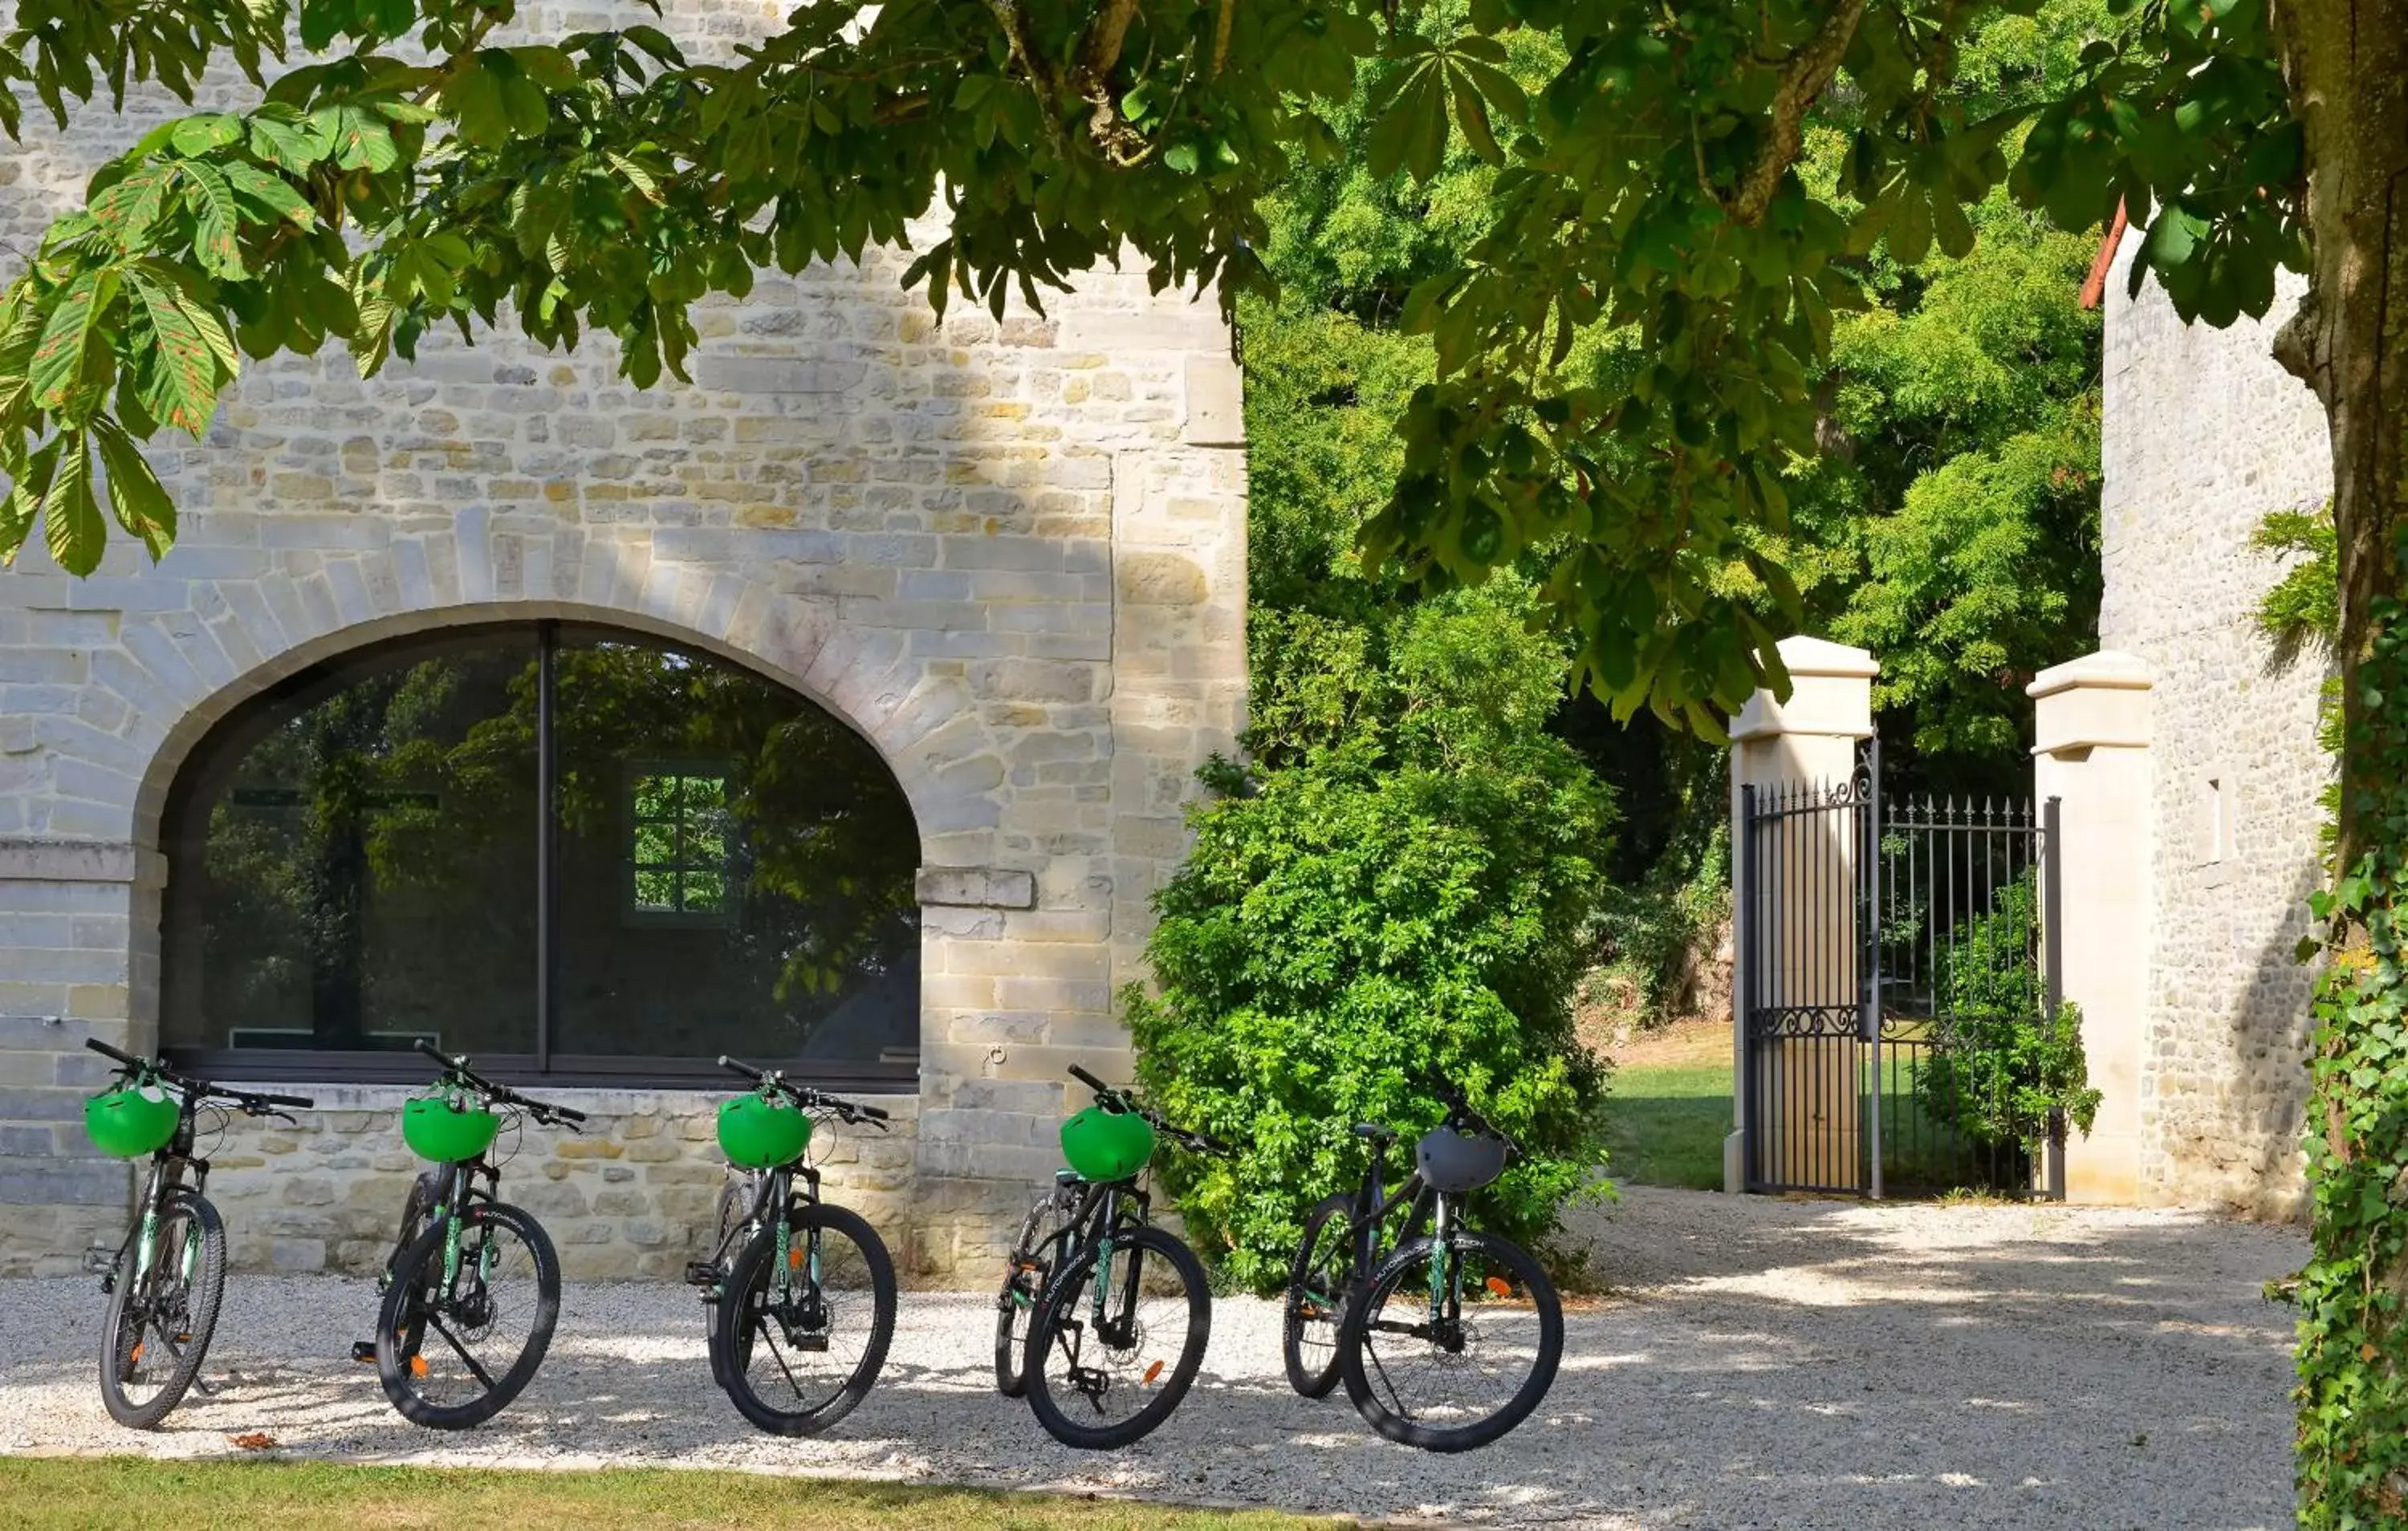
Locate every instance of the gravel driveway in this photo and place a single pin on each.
(1757, 1364)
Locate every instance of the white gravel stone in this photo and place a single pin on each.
(1757, 1364)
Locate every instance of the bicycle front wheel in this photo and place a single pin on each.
(1117, 1339)
(1453, 1344)
(798, 1354)
(1316, 1298)
(160, 1320)
(458, 1338)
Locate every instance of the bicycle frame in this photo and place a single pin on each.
(165, 1173)
(772, 1196)
(1374, 1204)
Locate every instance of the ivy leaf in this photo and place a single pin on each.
(70, 516)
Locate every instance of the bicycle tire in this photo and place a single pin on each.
(739, 1322)
(1408, 1432)
(1316, 1295)
(120, 1349)
(1062, 1298)
(403, 1317)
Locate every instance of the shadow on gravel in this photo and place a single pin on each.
(1775, 1365)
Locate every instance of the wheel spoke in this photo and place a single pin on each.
(436, 1322)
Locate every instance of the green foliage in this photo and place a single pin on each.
(1968, 400)
(1642, 172)
(2352, 1394)
(1397, 892)
(2302, 610)
(2003, 1067)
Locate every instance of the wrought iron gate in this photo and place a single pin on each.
(1888, 952)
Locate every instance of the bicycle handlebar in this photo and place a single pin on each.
(500, 1093)
(1114, 1096)
(807, 1098)
(254, 1102)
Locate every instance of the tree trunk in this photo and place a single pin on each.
(2345, 63)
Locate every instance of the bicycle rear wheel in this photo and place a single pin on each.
(1316, 1298)
(1105, 1369)
(453, 1350)
(160, 1321)
(795, 1361)
(1044, 1237)
(1451, 1345)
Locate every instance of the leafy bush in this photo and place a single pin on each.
(2004, 1066)
(1399, 896)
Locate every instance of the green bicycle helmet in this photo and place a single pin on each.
(447, 1131)
(129, 1122)
(762, 1131)
(1103, 1146)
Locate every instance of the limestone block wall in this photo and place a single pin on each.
(633, 1194)
(1010, 552)
(2204, 434)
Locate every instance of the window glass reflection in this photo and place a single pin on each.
(352, 859)
(354, 865)
(736, 867)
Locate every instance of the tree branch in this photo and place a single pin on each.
(1802, 80)
(1104, 44)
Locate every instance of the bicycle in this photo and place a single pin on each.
(801, 1293)
(1127, 1303)
(463, 1260)
(162, 1307)
(1465, 1323)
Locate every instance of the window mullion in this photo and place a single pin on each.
(547, 838)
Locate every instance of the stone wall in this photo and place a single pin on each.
(633, 1194)
(2204, 434)
(1010, 554)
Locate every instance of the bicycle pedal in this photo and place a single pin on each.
(701, 1273)
(364, 1351)
(100, 1260)
(815, 1344)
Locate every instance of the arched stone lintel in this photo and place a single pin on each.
(920, 724)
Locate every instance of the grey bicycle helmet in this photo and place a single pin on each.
(1456, 1163)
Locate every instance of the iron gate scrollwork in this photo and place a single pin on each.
(1889, 953)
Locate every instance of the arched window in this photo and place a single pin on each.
(570, 852)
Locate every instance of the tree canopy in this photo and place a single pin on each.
(426, 165)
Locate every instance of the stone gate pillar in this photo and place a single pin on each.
(2092, 754)
(1810, 737)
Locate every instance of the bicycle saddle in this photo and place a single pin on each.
(1375, 1132)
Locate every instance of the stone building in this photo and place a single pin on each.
(838, 710)
(2204, 436)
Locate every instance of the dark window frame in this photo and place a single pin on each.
(896, 1070)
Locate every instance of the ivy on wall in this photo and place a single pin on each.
(2353, 1392)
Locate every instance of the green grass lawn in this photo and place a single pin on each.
(43, 1493)
(1665, 1124)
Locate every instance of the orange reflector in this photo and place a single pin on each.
(1499, 1286)
(1151, 1372)
(418, 1366)
(795, 1258)
(135, 1359)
